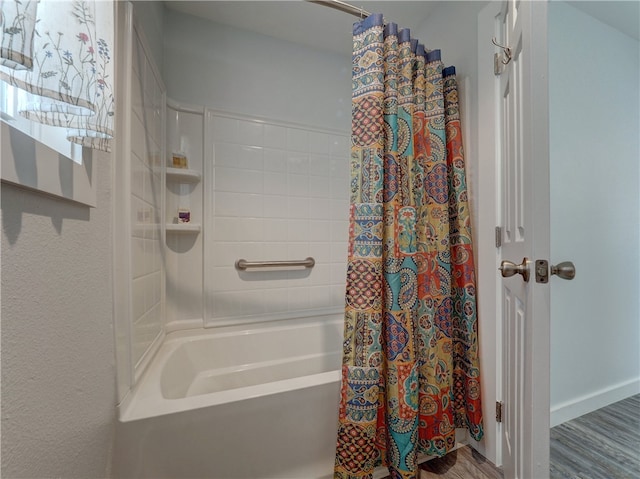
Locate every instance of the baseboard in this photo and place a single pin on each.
(585, 404)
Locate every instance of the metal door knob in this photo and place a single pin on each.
(564, 270)
(509, 268)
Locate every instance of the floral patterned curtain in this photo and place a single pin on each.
(410, 371)
(59, 53)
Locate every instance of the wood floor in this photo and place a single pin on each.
(604, 444)
(463, 463)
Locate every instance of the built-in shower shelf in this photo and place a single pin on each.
(183, 228)
(183, 174)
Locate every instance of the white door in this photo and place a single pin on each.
(519, 112)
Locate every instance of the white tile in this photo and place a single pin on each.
(250, 158)
(320, 251)
(225, 229)
(238, 204)
(148, 292)
(148, 255)
(136, 96)
(339, 252)
(138, 146)
(318, 187)
(274, 160)
(157, 257)
(253, 303)
(227, 303)
(250, 132)
(275, 136)
(318, 142)
(157, 288)
(275, 230)
(298, 185)
(339, 145)
(340, 188)
(276, 300)
(137, 177)
(275, 251)
(297, 163)
(239, 181)
(319, 209)
(337, 295)
(250, 229)
(139, 211)
(226, 253)
(227, 278)
(297, 140)
(226, 154)
(147, 188)
(137, 297)
(274, 206)
(137, 257)
(319, 230)
(339, 231)
(298, 230)
(319, 165)
(149, 216)
(275, 183)
(225, 129)
(298, 299)
(297, 251)
(298, 208)
(339, 209)
(320, 297)
(321, 274)
(339, 167)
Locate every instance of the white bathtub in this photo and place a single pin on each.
(253, 402)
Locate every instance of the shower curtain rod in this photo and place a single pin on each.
(343, 7)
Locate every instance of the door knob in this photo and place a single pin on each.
(509, 268)
(564, 270)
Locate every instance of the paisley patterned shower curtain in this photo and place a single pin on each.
(410, 371)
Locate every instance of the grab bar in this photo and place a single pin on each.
(243, 264)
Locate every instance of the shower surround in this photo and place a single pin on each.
(237, 349)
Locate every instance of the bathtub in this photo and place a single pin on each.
(258, 401)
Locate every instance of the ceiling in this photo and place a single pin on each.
(329, 29)
(622, 15)
(303, 22)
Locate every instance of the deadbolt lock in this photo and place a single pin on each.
(564, 270)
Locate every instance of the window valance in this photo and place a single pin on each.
(59, 53)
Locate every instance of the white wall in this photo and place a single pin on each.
(595, 158)
(58, 372)
(234, 70)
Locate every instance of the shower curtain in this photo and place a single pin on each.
(410, 371)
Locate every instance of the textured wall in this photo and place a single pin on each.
(58, 373)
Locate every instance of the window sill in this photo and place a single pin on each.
(28, 163)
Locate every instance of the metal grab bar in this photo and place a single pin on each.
(243, 264)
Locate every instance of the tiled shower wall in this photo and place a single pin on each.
(147, 98)
(281, 192)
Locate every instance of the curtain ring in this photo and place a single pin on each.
(506, 50)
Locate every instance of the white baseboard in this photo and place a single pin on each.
(585, 404)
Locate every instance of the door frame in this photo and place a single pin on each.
(536, 422)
